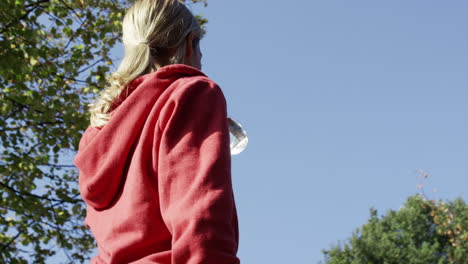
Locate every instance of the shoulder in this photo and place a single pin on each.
(192, 98)
(196, 88)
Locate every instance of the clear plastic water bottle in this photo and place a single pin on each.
(238, 137)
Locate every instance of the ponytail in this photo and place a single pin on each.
(154, 33)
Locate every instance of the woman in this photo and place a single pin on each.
(155, 162)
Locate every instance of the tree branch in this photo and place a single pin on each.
(12, 240)
(73, 10)
(36, 4)
(62, 202)
(21, 193)
(13, 113)
(90, 66)
(23, 106)
(25, 15)
(57, 165)
(60, 233)
(73, 36)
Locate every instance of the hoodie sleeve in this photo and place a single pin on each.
(194, 176)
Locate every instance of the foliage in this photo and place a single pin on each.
(422, 232)
(55, 55)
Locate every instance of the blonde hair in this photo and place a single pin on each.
(154, 33)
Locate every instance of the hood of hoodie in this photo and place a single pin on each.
(104, 152)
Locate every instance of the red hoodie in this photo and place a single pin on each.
(157, 177)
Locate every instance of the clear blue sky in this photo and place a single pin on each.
(343, 102)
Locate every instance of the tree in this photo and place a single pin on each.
(422, 232)
(55, 55)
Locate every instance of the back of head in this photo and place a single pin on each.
(154, 34)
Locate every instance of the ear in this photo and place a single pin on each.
(189, 46)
